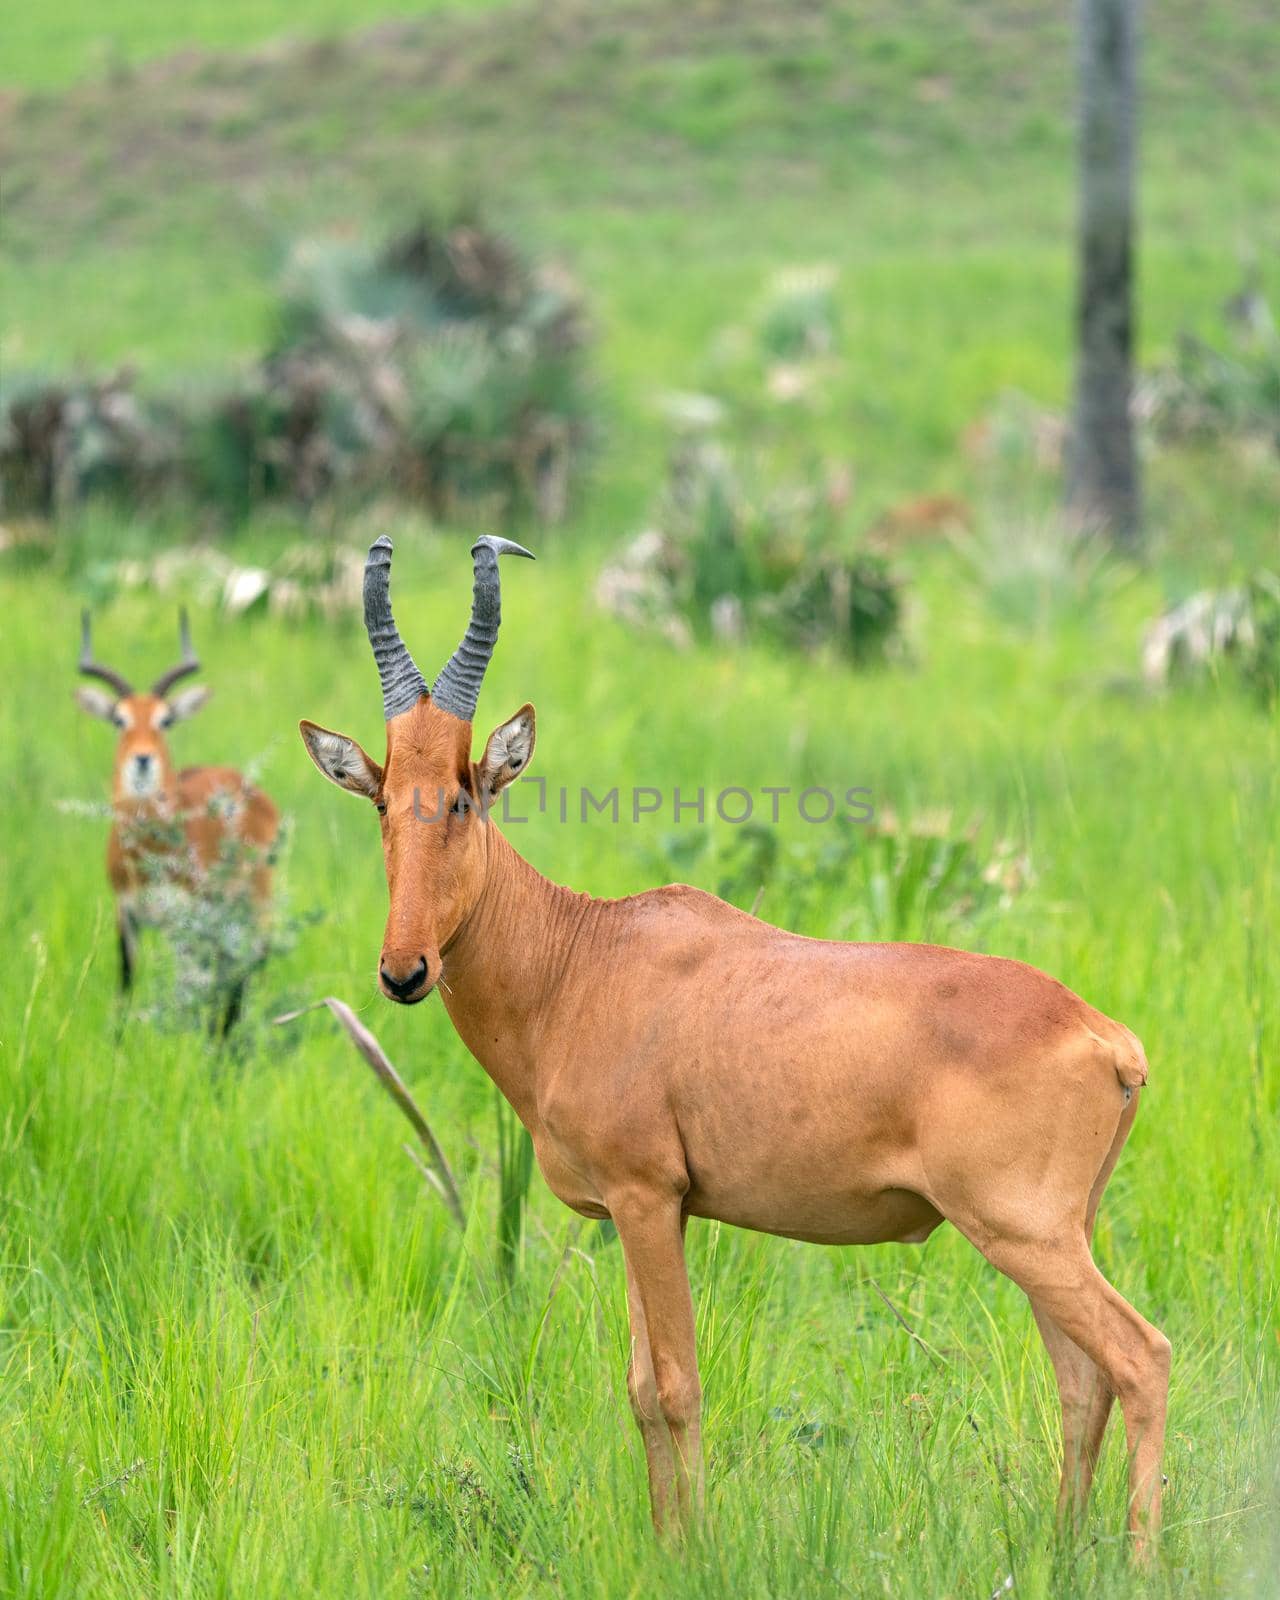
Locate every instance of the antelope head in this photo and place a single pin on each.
(142, 769)
(431, 798)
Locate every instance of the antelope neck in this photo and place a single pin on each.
(505, 967)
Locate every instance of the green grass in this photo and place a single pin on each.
(242, 1349)
(245, 1352)
(49, 46)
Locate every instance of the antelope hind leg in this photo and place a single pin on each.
(1063, 1283)
(1086, 1398)
(233, 1008)
(127, 929)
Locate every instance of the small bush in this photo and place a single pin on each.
(217, 937)
(213, 937)
(1033, 571)
(924, 878)
(1231, 389)
(441, 367)
(319, 579)
(730, 563)
(1016, 439)
(63, 441)
(800, 318)
(442, 364)
(1261, 666)
(1216, 630)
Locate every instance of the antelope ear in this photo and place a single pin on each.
(508, 752)
(96, 703)
(341, 760)
(184, 705)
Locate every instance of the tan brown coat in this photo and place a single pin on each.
(674, 1057)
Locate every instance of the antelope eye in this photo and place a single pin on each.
(459, 806)
(380, 806)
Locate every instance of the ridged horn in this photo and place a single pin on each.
(402, 684)
(458, 687)
(189, 663)
(90, 667)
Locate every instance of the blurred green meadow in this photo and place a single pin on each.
(243, 1349)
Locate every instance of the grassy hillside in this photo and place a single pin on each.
(242, 1349)
(50, 46)
(675, 156)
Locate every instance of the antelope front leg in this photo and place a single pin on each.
(664, 1363)
(642, 1391)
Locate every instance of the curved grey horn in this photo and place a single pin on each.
(458, 687)
(94, 669)
(190, 661)
(402, 684)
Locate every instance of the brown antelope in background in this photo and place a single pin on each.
(674, 1057)
(172, 828)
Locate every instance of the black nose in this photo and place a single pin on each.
(405, 988)
(143, 761)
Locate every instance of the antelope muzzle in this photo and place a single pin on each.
(405, 978)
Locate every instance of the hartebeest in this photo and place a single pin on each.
(171, 829)
(674, 1057)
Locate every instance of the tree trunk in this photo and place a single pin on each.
(1102, 468)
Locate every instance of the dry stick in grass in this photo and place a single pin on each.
(993, 1460)
(911, 1332)
(435, 1169)
(433, 1178)
(942, 1366)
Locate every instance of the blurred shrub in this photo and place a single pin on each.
(306, 580)
(1216, 630)
(64, 441)
(800, 317)
(1229, 390)
(442, 367)
(731, 563)
(779, 367)
(765, 550)
(216, 937)
(924, 878)
(1015, 438)
(1034, 571)
(1261, 667)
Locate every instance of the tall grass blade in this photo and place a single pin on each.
(515, 1172)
